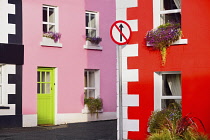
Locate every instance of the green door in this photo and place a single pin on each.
(45, 95)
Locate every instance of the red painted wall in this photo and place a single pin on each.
(193, 60)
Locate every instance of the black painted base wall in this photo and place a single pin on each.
(11, 121)
(11, 54)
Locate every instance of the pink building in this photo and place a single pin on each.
(54, 72)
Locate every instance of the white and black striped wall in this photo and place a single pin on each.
(11, 61)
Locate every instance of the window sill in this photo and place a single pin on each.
(4, 107)
(49, 42)
(86, 111)
(91, 46)
(178, 42)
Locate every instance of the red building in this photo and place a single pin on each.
(187, 66)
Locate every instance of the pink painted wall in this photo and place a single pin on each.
(72, 58)
(104, 60)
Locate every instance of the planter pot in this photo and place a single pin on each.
(86, 111)
(48, 40)
(88, 43)
(92, 46)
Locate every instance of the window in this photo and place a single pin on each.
(166, 11)
(49, 19)
(91, 24)
(44, 81)
(50, 24)
(92, 83)
(92, 29)
(167, 89)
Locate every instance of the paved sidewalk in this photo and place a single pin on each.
(99, 130)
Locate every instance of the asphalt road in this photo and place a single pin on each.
(98, 130)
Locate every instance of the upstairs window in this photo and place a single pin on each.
(92, 83)
(50, 24)
(166, 11)
(49, 19)
(91, 24)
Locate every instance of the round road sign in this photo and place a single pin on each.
(120, 32)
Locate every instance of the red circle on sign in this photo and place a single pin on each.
(121, 33)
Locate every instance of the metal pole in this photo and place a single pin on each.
(120, 92)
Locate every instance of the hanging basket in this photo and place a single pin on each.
(162, 37)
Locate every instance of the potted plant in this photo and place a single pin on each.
(94, 105)
(163, 36)
(94, 40)
(52, 35)
(168, 124)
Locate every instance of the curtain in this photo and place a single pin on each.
(174, 82)
(178, 3)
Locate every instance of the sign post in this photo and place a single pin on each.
(120, 33)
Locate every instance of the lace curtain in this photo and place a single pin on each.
(178, 3)
(174, 83)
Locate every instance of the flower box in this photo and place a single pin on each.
(51, 39)
(162, 37)
(92, 46)
(49, 42)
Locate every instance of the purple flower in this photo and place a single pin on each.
(94, 40)
(164, 35)
(53, 35)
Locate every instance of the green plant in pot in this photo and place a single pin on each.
(94, 105)
(163, 36)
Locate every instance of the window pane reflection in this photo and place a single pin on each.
(170, 4)
(175, 17)
(166, 102)
(51, 15)
(93, 21)
(44, 28)
(44, 14)
(87, 19)
(52, 28)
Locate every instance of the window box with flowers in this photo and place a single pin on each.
(93, 43)
(163, 37)
(51, 39)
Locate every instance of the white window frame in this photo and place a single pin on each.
(48, 41)
(96, 20)
(56, 17)
(156, 17)
(97, 82)
(88, 44)
(158, 84)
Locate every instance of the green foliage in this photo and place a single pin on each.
(168, 124)
(94, 105)
(164, 134)
(158, 118)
